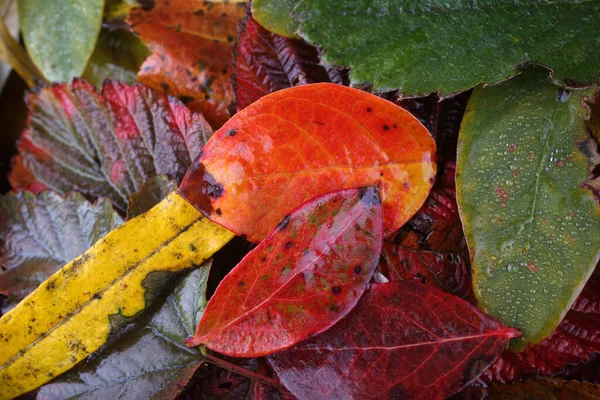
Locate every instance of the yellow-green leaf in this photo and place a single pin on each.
(73, 313)
(531, 224)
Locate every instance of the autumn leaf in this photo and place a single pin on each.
(192, 42)
(150, 194)
(531, 226)
(427, 46)
(295, 144)
(264, 62)
(303, 278)
(149, 358)
(39, 234)
(74, 312)
(105, 144)
(60, 50)
(536, 389)
(403, 340)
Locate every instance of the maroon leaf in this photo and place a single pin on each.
(105, 144)
(403, 340)
(575, 340)
(303, 278)
(265, 62)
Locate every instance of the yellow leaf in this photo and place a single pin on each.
(72, 313)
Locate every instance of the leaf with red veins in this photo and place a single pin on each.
(105, 144)
(303, 278)
(446, 271)
(192, 43)
(403, 340)
(298, 143)
(264, 62)
(575, 340)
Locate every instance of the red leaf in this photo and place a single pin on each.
(105, 144)
(403, 340)
(575, 340)
(298, 143)
(304, 277)
(192, 42)
(264, 62)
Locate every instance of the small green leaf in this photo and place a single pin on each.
(118, 55)
(60, 36)
(275, 16)
(151, 360)
(531, 226)
(39, 234)
(425, 46)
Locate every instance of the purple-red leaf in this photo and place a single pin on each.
(403, 340)
(303, 278)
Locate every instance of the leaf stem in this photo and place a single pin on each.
(242, 371)
(15, 55)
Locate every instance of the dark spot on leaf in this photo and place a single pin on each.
(357, 269)
(283, 224)
(165, 86)
(147, 5)
(198, 13)
(288, 245)
(386, 127)
(241, 283)
(218, 211)
(192, 247)
(264, 259)
(369, 109)
(97, 296)
(186, 99)
(231, 132)
(336, 290)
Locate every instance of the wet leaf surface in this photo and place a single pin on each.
(303, 278)
(60, 50)
(192, 42)
(403, 340)
(150, 194)
(148, 361)
(448, 47)
(575, 340)
(297, 143)
(41, 233)
(531, 226)
(105, 144)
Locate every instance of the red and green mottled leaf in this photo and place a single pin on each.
(40, 233)
(575, 340)
(105, 144)
(264, 62)
(403, 340)
(192, 42)
(298, 143)
(303, 278)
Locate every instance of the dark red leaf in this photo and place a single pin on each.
(575, 340)
(105, 144)
(403, 340)
(264, 62)
(303, 278)
(301, 142)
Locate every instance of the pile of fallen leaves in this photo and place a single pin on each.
(302, 199)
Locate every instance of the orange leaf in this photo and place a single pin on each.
(192, 44)
(298, 143)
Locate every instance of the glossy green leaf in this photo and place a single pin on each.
(39, 234)
(275, 16)
(60, 36)
(150, 361)
(531, 226)
(449, 46)
(118, 56)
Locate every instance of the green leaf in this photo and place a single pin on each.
(425, 46)
(150, 361)
(118, 55)
(151, 193)
(60, 36)
(275, 16)
(39, 234)
(531, 226)
(10, 15)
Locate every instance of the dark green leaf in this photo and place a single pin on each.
(148, 362)
(39, 234)
(449, 46)
(531, 224)
(60, 35)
